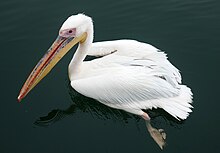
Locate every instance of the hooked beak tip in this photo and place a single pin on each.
(19, 98)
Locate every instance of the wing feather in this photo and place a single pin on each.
(127, 87)
(133, 76)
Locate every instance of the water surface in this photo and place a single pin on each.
(188, 31)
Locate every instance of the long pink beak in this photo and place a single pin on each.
(57, 50)
(44, 66)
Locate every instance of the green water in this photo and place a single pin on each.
(54, 119)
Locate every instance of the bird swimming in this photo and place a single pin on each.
(129, 75)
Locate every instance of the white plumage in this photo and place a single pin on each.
(129, 75)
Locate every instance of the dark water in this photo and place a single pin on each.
(53, 118)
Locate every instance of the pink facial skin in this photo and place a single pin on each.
(68, 33)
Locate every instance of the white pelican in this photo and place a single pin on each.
(131, 75)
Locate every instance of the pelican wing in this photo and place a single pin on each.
(125, 86)
(133, 81)
(140, 53)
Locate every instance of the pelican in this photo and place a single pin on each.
(129, 75)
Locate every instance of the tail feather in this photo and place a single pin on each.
(180, 106)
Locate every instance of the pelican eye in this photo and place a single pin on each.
(70, 31)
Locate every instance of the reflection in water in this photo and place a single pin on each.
(85, 105)
(100, 111)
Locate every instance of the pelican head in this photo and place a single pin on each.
(73, 31)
